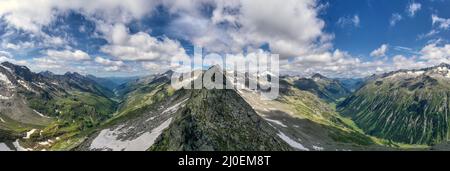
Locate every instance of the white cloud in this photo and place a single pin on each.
(402, 62)
(110, 65)
(47, 63)
(141, 46)
(432, 32)
(112, 68)
(441, 23)
(105, 61)
(17, 46)
(413, 8)
(6, 56)
(395, 18)
(31, 15)
(381, 51)
(151, 66)
(68, 55)
(349, 21)
(406, 50)
(53, 40)
(436, 54)
(291, 28)
(430, 55)
(333, 64)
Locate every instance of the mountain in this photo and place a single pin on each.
(111, 82)
(53, 105)
(107, 83)
(303, 118)
(46, 111)
(330, 90)
(154, 116)
(185, 119)
(352, 84)
(409, 106)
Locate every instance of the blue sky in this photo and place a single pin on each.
(338, 38)
(375, 29)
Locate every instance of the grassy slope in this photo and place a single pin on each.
(405, 114)
(341, 128)
(76, 114)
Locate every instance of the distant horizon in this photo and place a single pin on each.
(281, 75)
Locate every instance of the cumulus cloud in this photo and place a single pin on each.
(60, 60)
(68, 55)
(413, 8)
(334, 64)
(17, 46)
(105, 61)
(291, 28)
(349, 21)
(402, 62)
(395, 18)
(141, 46)
(436, 54)
(32, 15)
(109, 65)
(6, 56)
(430, 55)
(381, 51)
(47, 63)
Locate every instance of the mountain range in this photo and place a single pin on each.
(392, 111)
(409, 106)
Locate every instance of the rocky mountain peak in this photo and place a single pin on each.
(74, 75)
(18, 70)
(443, 65)
(47, 73)
(318, 76)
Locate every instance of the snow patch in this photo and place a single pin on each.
(4, 97)
(276, 122)
(150, 119)
(408, 74)
(174, 108)
(4, 147)
(46, 143)
(292, 142)
(317, 148)
(24, 84)
(8, 69)
(108, 139)
(442, 69)
(29, 133)
(39, 84)
(185, 82)
(40, 114)
(4, 79)
(19, 147)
